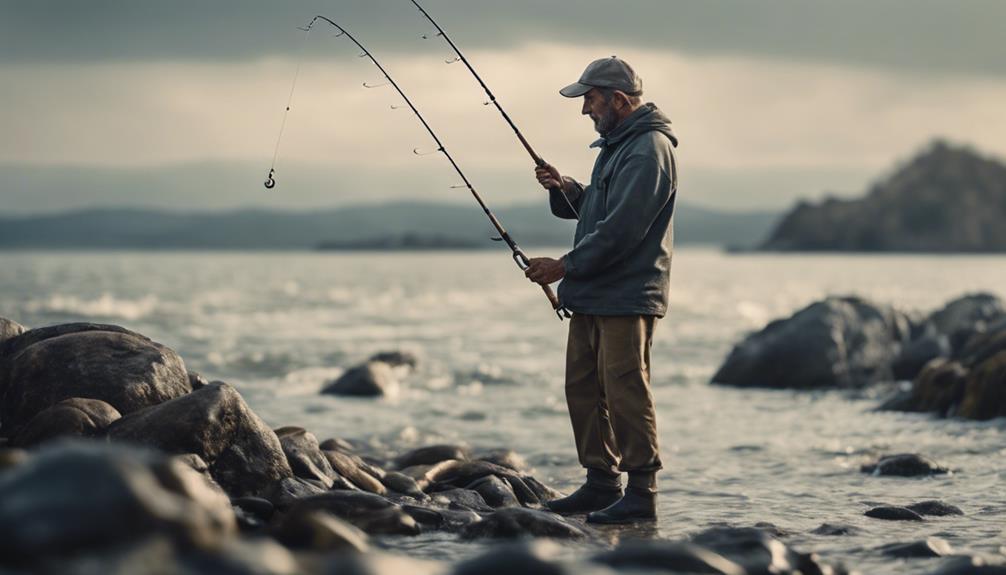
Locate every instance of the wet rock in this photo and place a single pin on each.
(244, 556)
(338, 444)
(891, 513)
(668, 556)
(9, 329)
(931, 547)
(504, 458)
(287, 491)
(758, 552)
(304, 455)
(121, 368)
(904, 465)
(76, 495)
(451, 520)
(935, 508)
(460, 473)
(402, 483)
(964, 312)
(257, 507)
(349, 466)
(425, 475)
(939, 387)
(836, 343)
(495, 491)
(397, 359)
(371, 513)
(524, 557)
(197, 381)
(11, 457)
(378, 564)
(985, 390)
(464, 498)
(431, 455)
(835, 530)
(515, 522)
(244, 455)
(318, 531)
(371, 379)
(74, 417)
(915, 355)
(541, 491)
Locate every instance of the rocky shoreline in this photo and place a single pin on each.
(114, 458)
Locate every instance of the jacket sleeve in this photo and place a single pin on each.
(636, 196)
(560, 206)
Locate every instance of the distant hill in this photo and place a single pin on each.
(946, 199)
(531, 225)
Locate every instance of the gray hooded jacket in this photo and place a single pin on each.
(621, 259)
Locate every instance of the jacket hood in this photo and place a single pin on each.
(646, 118)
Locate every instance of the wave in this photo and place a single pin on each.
(105, 306)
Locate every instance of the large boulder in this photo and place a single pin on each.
(841, 342)
(79, 495)
(371, 379)
(75, 417)
(968, 313)
(243, 454)
(40, 368)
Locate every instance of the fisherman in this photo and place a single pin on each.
(615, 281)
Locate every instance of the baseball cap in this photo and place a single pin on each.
(605, 73)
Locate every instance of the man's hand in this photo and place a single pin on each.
(545, 270)
(548, 177)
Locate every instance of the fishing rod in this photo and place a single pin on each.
(538, 161)
(519, 257)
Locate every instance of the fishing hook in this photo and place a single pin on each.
(368, 85)
(453, 60)
(417, 152)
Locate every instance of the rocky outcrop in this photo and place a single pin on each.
(947, 199)
(243, 454)
(42, 367)
(843, 342)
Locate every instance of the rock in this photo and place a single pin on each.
(74, 417)
(77, 495)
(966, 311)
(904, 465)
(915, 355)
(504, 458)
(495, 491)
(524, 557)
(337, 444)
(124, 369)
(451, 520)
(318, 531)
(972, 565)
(931, 547)
(9, 329)
(759, 553)
(257, 506)
(667, 556)
(287, 491)
(541, 491)
(305, 456)
(402, 483)
(244, 455)
(349, 466)
(834, 530)
(371, 513)
(11, 457)
(514, 522)
(197, 381)
(934, 508)
(894, 514)
(460, 473)
(938, 387)
(463, 498)
(431, 455)
(379, 564)
(244, 556)
(371, 379)
(836, 343)
(985, 390)
(397, 359)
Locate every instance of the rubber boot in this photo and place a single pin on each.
(600, 491)
(635, 505)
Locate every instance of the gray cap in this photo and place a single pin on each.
(605, 73)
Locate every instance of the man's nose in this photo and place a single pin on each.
(586, 109)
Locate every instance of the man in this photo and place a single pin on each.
(615, 281)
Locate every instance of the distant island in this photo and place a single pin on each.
(946, 199)
(407, 241)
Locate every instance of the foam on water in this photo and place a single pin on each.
(278, 326)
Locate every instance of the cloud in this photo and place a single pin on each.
(932, 37)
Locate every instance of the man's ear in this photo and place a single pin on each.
(621, 98)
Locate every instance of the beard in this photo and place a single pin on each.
(606, 122)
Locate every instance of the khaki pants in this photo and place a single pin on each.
(608, 392)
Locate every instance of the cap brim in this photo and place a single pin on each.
(575, 90)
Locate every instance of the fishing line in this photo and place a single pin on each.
(270, 182)
(538, 161)
(519, 257)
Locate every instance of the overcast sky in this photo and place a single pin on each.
(178, 104)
